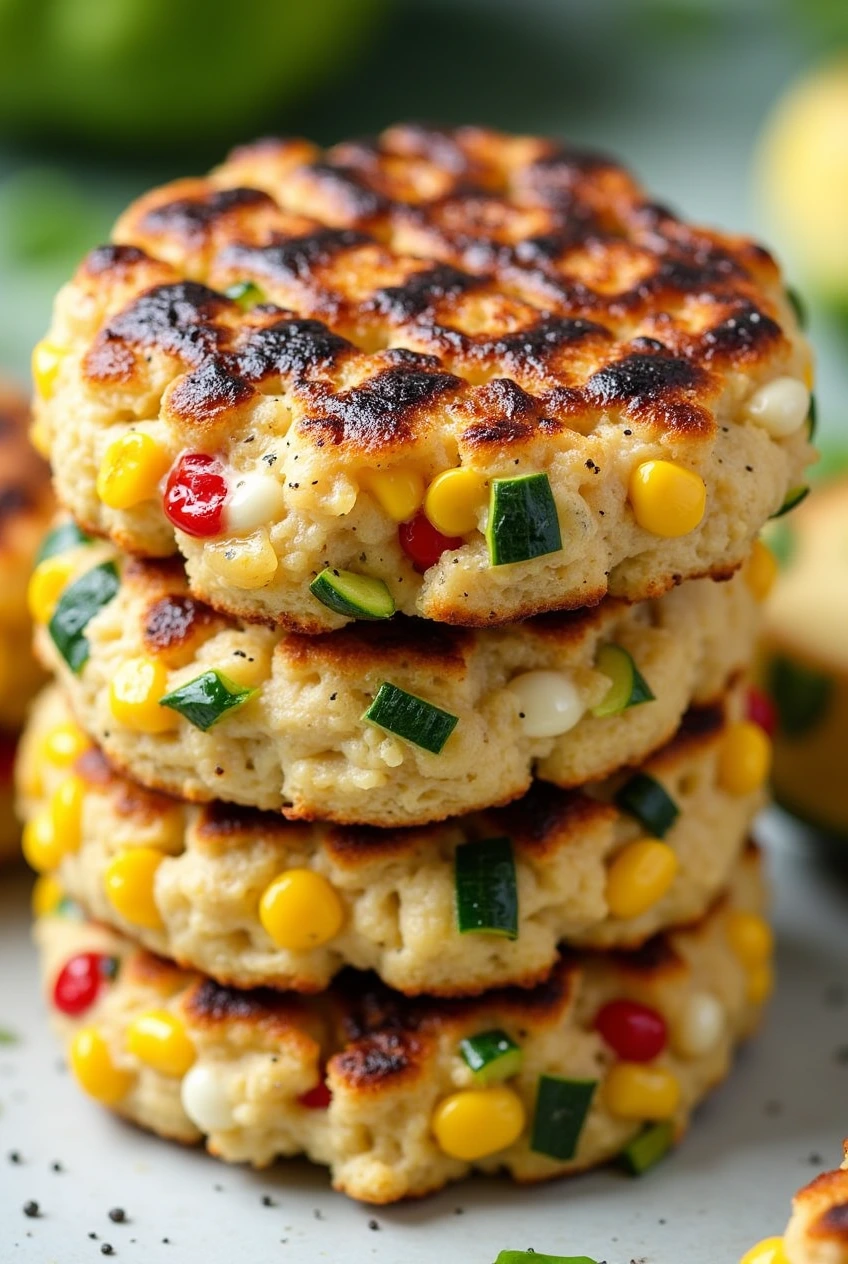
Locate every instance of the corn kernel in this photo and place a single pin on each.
(780, 406)
(47, 894)
(249, 562)
(454, 500)
(40, 845)
(129, 883)
(634, 1090)
(760, 984)
(45, 587)
(39, 438)
(46, 359)
(667, 499)
(160, 1040)
(398, 492)
(639, 877)
(63, 744)
(476, 1122)
(131, 470)
(769, 1251)
(300, 910)
(750, 937)
(94, 1070)
(134, 693)
(761, 570)
(66, 814)
(744, 759)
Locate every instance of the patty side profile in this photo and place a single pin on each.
(457, 374)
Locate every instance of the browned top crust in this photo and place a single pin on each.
(820, 1217)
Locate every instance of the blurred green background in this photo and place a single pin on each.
(101, 98)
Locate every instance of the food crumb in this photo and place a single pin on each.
(56, 1166)
(267, 1201)
(15, 1157)
(32, 1209)
(117, 1215)
(107, 1249)
(373, 1224)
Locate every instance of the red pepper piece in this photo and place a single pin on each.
(195, 494)
(423, 544)
(633, 1031)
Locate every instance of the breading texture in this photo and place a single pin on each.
(390, 1061)
(427, 300)
(300, 744)
(397, 888)
(817, 1232)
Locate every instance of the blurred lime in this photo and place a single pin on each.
(803, 178)
(167, 71)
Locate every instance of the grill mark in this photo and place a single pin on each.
(211, 1002)
(173, 621)
(345, 189)
(211, 390)
(531, 348)
(296, 258)
(436, 144)
(289, 348)
(193, 217)
(177, 319)
(747, 332)
(113, 257)
(382, 410)
(421, 292)
(377, 1059)
(640, 378)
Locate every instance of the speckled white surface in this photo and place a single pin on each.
(776, 1123)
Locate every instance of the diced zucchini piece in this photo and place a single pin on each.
(77, 606)
(802, 696)
(486, 888)
(643, 797)
(357, 596)
(246, 293)
(812, 418)
(62, 538)
(206, 699)
(491, 1056)
(793, 498)
(645, 1150)
(534, 1257)
(523, 520)
(561, 1109)
(628, 687)
(410, 717)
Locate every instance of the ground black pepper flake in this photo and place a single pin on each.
(15, 1157)
(107, 1249)
(117, 1215)
(93, 1235)
(374, 1224)
(815, 1160)
(267, 1201)
(166, 1241)
(32, 1209)
(56, 1166)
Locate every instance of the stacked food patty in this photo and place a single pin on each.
(393, 798)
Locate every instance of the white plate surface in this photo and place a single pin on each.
(777, 1122)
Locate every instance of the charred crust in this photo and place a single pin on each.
(379, 1060)
(191, 218)
(745, 334)
(656, 956)
(208, 393)
(176, 319)
(532, 348)
(375, 646)
(641, 378)
(381, 412)
(289, 348)
(346, 192)
(296, 257)
(421, 292)
(211, 1004)
(547, 817)
(113, 258)
(218, 821)
(173, 622)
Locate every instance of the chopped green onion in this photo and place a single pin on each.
(206, 699)
(246, 293)
(523, 521)
(357, 596)
(628, 687)
(75, 609)
(410, 717)
(643, 797)
(533, 1257)
(802, 696)
(561, 1109)
(62, 538)
(486, 888)
(491, 1056)
(645, 1150)
(793, 498)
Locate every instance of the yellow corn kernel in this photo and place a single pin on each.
(47, 894)
(300, 910)
(454, 500)
(248, 562)
(46, 359)
(744, 759)
(635, 1090)
(39, 439)
(63, 744)
(94, 1070)
(750, 937)
(40, 845)
(760, 983)
(667, 499)
(160, 1040)
(476, 1122)
(129, 883)
(398, 492)
(45, 587)
(769, 1251)
(761, 570)
(639, 877)
(134, 693)
(66, 814)
(131, 469)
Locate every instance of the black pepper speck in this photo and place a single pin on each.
(117, 1215)
(107, 1249)
(32, 1209)
(15, 1157)
(267, 1201)
(374, 1224)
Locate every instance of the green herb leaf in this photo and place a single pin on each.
(62, 538)
(643, 797)
(533, 1257)
(246, 293)
(206, 699)
(77, 606)
(410, 717)
(561, 1109)
(802, 696)
(486, 888)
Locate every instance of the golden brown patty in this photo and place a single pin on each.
(817, 1232)
(236, 1066)
(805, 659)
(300, 744)
(26, 504)
(395, 891)
(422, 303)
